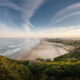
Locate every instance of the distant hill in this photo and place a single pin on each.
(71, 42)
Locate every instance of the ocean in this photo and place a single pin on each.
(9, 46)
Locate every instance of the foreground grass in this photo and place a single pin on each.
(29, 70)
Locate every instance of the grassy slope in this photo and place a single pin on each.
(12, 70)
(23, 70)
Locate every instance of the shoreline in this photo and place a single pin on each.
(20, 54)
(44, 50)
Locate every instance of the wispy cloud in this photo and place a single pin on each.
(8, 31)
(56, 32)
(66, 32)
(66, 12)
(26, 7)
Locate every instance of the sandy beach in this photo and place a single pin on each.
(44, 50)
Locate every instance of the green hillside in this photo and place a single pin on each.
(13, 70)
(30, 70)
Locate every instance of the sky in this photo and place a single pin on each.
(40, 18)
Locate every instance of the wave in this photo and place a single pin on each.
(12, 46)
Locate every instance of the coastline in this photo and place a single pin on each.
(20, 55)
(44, 50)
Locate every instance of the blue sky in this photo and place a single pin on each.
(43, 16)
(45, 13)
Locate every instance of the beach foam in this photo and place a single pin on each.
(15, 45)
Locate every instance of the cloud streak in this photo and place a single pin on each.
(26, 7)
(66, 12)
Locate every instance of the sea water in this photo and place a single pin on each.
(9, 46)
